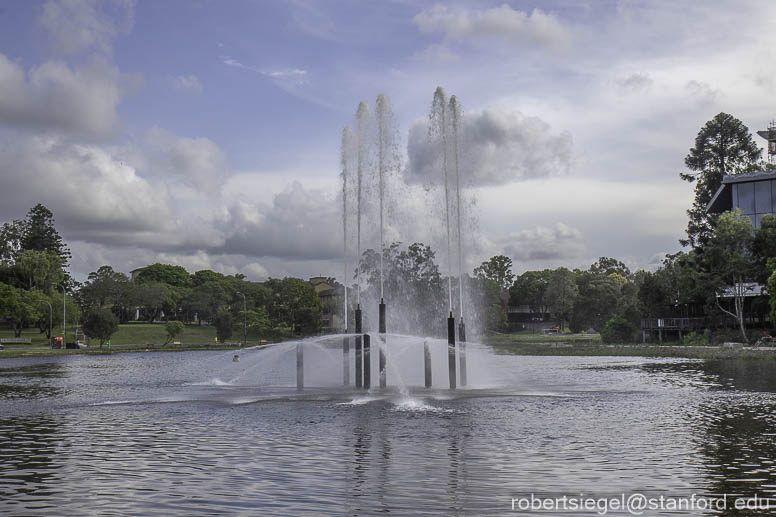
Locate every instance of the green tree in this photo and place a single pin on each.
(40, 234)
(486, 297)
(764, 247)
(105, 288)
(205, 275)
(21, 308)
(653, 295)
(207, 299)
(599, 296)
(173, 328)
(295, 303)
(723, 146)
(176, 276)
(411, 279)
(224, 322)
(100, 324)
(607, 266)
(618, 330)
(561, 295)
(153, 298)
(258, 320)
(530, 289)
(729, 259)
(497, 268)
(39, 269)
(35, 232)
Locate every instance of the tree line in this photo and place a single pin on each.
(724, 254)
(34, 280)
(726, 258)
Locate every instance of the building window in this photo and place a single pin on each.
(762, 197)
(746, 197)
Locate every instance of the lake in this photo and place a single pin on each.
(194, 433)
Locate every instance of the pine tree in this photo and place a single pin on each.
(723, 146)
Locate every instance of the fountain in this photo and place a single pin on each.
(369, 155)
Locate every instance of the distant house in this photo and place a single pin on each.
(521, 316)
(753, 192)
(135, 272)
(331, 299)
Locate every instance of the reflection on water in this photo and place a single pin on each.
(154, 434)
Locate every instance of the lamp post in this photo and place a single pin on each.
(245, 319)
(64, 316)
(51, 316)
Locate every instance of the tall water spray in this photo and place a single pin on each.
(381, 112)
(455, 114)
(439, 129)
(362, 121)
(347, 145)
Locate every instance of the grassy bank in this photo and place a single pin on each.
(131, 337)
(525, 343)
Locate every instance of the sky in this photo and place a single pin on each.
(208, 133)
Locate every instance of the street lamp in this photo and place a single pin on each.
(64, 316)
(51, 315)
(245, 319)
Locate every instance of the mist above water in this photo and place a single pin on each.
(383, 216)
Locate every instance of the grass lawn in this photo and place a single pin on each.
(134, 336)
(527, 337)
(530, 343)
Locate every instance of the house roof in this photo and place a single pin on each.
(723, 197)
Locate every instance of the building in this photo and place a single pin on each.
(753, 192)
(330, 293)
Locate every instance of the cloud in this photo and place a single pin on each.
(53, 96)
(92, 193)
(230, 61)
(437, 54)
(298, 224)
(293, 73)
(503, 23)
(635, 82)
(702, 92)
(498, 147)
(197, 162)
(545, 243)
(80, 25)
(187, 82)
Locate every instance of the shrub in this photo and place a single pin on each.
(174, 328)
(618, 330)
(223, 322)
(695, 339)
(101, 324)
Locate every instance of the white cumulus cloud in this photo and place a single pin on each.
(55, 97)
(503, 22)
(498, 147)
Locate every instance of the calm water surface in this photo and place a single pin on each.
(194, 433)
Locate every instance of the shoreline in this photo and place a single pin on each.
(678, 351)
(554, 348)
(20, 351)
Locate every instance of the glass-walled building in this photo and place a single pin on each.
(753, 192)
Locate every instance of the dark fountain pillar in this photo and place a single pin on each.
(462, 350)
(427, 363)
(367, 363)
(299, 366)
(359, 357)
(346, 360)
(381, 327)
(451, 350)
